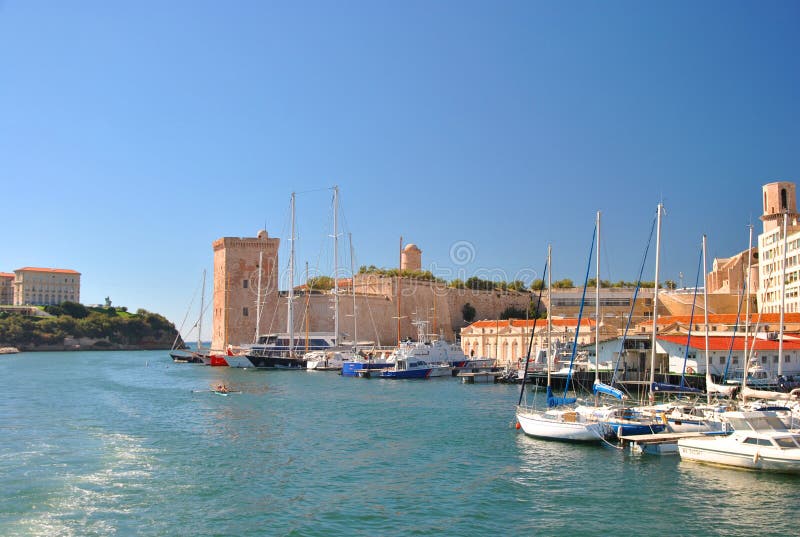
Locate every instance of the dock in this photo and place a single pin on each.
(659, 443)
(479, 377)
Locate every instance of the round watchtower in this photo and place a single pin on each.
(411, 258)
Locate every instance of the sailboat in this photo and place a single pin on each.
(276, 351)
(188, 355)
(558, 421)
(617, 419)
(333, 358)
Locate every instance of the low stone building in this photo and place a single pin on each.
(506, 341)
(6, 289)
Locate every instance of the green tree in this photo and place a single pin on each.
(468, 312)
(512, 312)
(517, 285)
(320, 283)
(457, 284)
(566, 283)
(538, 285)
(73, 309)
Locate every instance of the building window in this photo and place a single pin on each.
(245, 283)
(245, 312)
(787, 359)
(721, 360)
(735, 360)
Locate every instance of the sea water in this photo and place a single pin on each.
(129, 443)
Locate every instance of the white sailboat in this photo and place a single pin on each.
(187, 355)
(558, 421)
(333, 359)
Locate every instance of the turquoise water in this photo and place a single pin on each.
(117, 443)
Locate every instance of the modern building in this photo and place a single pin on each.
(781, 231)
(44, 286)
(6, 288)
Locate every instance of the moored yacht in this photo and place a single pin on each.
(407, 368)
(273, 351)
(760, 441)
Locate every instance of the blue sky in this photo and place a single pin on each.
(133, 134)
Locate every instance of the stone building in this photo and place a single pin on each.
(374, 297)
(6, 288)
(239, 264)
(43, 286)
(729, 274)
(506, 341)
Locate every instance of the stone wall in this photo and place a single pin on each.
(439, 306)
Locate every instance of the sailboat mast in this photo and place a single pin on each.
(353, 290)
(399, 278)
(308, 299)
(290, 301)
(655, 304)
(202, 307)
(549, 310)
(258, 296)
(705, 317)
(335, 265)
(597, 312)
(783, 290)
(747, 295)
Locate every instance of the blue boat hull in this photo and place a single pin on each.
(407, 374)
(626, 429)
(351, 369)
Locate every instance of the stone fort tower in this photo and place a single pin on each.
(779, 197)
(236, 273)
(411, 258)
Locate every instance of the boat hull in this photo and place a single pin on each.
(709, 451)
(184, 356)
(351, 369)
(406, 374)
(275, 362)
(239, 361)
(538, 425)
(627, 429)
(216, 360)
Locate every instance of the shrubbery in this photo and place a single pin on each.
(72, 320)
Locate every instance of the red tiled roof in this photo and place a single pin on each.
(521, 323)
(39, 269)
(6, 275)
(725, 318)
(722, 343)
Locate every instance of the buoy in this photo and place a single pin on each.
(518, 425)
